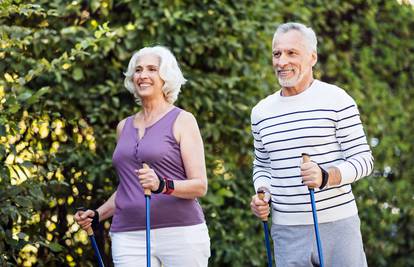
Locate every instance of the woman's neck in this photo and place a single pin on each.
(153, 110)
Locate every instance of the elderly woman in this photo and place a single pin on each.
(168, 139)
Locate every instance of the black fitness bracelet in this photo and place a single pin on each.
(95, 220)
(325, 178)
(160, 187)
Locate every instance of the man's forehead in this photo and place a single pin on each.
(292, 39)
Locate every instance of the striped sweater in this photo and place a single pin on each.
(324, 122)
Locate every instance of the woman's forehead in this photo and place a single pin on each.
(148, 59)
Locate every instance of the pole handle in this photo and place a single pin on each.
(305, 158)
(261, 195)
(89, 231)
(147, 192)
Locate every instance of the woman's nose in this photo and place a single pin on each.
(143, 74)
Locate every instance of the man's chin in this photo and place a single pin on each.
(287, 83)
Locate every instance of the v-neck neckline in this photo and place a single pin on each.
(150, 126)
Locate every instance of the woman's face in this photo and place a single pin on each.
(146, 78)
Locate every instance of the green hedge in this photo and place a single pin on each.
(61, 97)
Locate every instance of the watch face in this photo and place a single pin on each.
(170, 184)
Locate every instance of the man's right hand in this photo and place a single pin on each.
(84, 218)
(260, 207)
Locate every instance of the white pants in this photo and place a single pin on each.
(186, 246)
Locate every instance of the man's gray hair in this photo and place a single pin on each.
(169, 72)
(307, 32)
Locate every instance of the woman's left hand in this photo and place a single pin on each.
(148, 179)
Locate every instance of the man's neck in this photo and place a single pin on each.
(295, 90)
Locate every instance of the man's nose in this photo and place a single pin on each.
(282, 60)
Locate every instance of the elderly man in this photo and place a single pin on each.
(322, 120)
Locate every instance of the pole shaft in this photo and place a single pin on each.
(316, 226)
(306, 158)
(267, 242)
(261, 196)
(96, 249)
(147, 194)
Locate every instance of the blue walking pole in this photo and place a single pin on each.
(306, 158)
(261, 196)
(147, 194)
(95, 247)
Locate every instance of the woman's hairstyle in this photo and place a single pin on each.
(307, 32)
(169, 72)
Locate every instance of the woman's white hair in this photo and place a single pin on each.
(169, 72)
(307, 32)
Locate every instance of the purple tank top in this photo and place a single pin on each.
(159, 149)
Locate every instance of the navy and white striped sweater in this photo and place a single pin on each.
(324, 122)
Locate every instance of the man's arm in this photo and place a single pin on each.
(351, 137)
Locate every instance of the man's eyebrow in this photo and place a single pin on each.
(285, 49)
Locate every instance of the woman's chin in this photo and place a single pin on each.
(144, 92)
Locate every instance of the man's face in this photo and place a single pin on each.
(293, 60)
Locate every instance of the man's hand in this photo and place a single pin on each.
(260, 207)
(311, 174)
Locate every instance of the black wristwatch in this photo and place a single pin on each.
(325, 178)
(170, 186)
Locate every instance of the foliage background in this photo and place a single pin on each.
(61, 96)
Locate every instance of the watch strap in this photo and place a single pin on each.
(325, 178)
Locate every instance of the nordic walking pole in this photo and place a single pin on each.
(95, 246)
(147, 193)
(306, 158)
(89, 231)
(261, 196)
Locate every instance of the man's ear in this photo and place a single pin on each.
(314, 58)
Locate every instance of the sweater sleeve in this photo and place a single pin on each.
(261, 162)
(351, 137)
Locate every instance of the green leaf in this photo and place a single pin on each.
(36, 96)
(77, 74)
(23, 201)
(55, 247)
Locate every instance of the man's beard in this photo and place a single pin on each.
(290, 82)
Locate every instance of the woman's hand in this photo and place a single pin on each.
(148, 179)
(84, 218)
